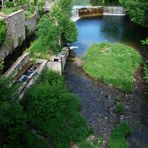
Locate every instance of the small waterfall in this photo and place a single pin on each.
(114, 11)
(90, 11)
(75, 14)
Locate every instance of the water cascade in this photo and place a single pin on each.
(114, 11)
(89, 11)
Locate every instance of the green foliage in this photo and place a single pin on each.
(145, 42)
(118, 135)
(67, 29)
(21, 3)
(12, 123)
(70, 32)
(146, 71)
(54, 110)
(137, 10)
(120, 108)
(114, 64)
(54, 30)
(47, 42)
(9, 4)
(9, 10)
(2, 32)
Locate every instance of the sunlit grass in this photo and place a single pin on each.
(114, 64)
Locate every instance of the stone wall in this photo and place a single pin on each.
(30, 23)
(17, 30)
(15, 34)
(17, 66)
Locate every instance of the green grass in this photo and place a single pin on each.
(118, 136)
(114, 64)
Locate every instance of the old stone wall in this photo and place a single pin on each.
(15, 34)
(30, 23)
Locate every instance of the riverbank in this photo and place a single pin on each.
(98, 102)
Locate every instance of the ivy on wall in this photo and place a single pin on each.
(3, 30)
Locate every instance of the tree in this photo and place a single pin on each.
(61, 12)
(137, 10)
(70, 32)
(12, 124)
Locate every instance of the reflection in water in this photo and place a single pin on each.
(109, 28)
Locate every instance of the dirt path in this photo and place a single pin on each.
(98, 104)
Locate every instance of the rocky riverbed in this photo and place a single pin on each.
(98, 103)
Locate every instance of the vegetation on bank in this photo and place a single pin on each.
(48, 107)
(55, 111)
(118, 136)
(114, 64)
(3, 30)
(29, 6)
(54, 31)
(137, 10)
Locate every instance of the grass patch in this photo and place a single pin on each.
(114, 64)
(118, 136)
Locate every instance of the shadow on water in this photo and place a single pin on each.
(11, 58)
(97, 99)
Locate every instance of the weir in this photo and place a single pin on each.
(89, 11)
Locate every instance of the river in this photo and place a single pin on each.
(97, 99)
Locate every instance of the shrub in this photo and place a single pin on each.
(54, 110)
(2, 32)
(118, 135)
(9, 4)
(120, 108)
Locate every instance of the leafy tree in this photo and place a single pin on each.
(137, 10)
(66, 28)
(54, 110)
(47, 37)
(70, 32)
(12, 124)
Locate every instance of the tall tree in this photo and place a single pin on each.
(137, 10)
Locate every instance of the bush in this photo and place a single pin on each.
(9, 4)
(3, 29)
(53, 110)
(120, 108)
(118, 135)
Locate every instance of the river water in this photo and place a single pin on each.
(97, 99)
